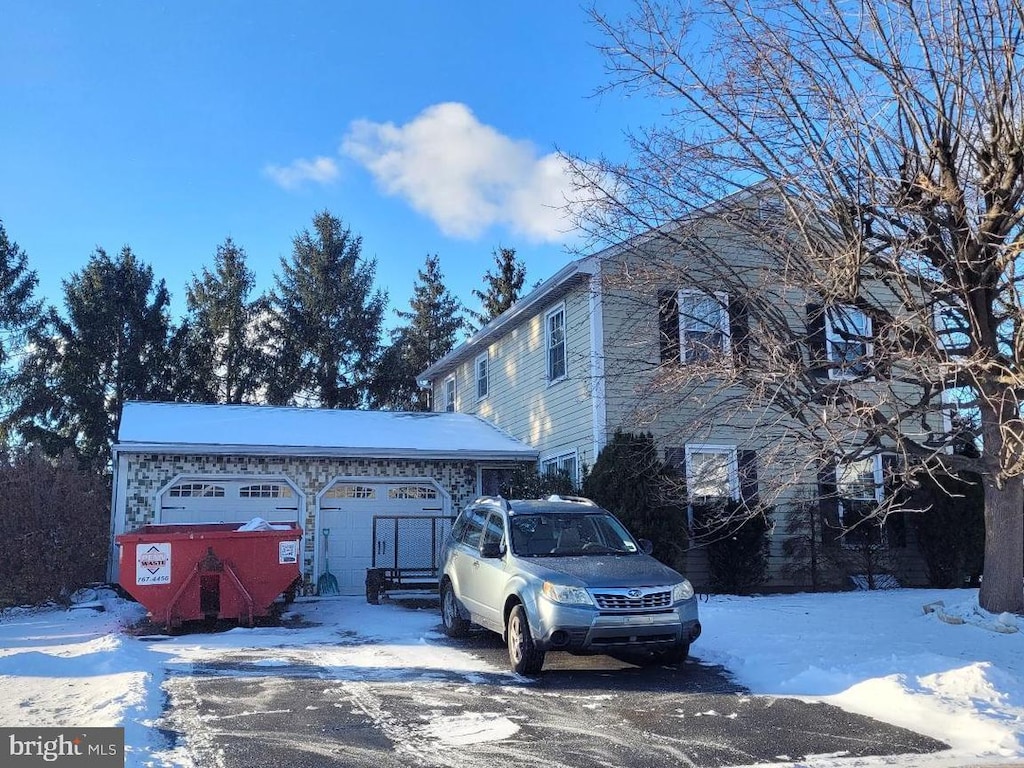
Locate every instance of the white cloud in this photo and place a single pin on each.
(465, 175)
(320, 170)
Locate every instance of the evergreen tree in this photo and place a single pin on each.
(432, 324)
(109, 346)
(504, 287)
(325, 320)
(630, 481)
(217, 351)
(18, 308)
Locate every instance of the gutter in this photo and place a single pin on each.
(525, 454)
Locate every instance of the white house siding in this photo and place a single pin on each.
(142, 476)
(554, 417)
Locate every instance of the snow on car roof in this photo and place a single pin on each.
(312, 431)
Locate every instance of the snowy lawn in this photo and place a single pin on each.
(875, 653)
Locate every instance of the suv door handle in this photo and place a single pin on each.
(476, 563)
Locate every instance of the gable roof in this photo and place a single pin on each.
(268, 430)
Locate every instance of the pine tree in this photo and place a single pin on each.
(433, 322)
(504, 286)
(109, 345)
(19, 310)
(217, 350)
(325, 320)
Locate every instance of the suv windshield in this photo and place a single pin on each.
(569, 534)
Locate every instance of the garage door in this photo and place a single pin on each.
(215, 500)
(347, 510)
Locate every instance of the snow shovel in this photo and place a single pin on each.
(327, 584)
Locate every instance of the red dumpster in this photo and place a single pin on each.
(208, 570)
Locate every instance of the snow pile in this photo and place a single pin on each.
(875, 653)
(879, 654)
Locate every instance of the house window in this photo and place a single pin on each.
(492, 479)
(346, 491)
(554, 323)
(449, 394)
(481, 376)
(564, 463)
(703, 325)
(711, 472)
(414, 492)
(193, 490)
(848, 339)
(860, 490)
(265, 491)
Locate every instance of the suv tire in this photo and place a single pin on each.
(454, 624)
(522, 652)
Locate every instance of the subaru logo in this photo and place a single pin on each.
(634, 593)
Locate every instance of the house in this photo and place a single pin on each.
(608, 342)
(332, 471)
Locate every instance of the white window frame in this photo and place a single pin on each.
(556, 310)
(557, 459)
(449, 394)
(832, 337)
(485, 379)
(877, 498)
(732, 467)
(687, 294)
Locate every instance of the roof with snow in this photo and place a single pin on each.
(248, 429)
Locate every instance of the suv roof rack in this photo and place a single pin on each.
(498, 501)
(572, 499)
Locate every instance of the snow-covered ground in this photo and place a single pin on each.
(875, 653)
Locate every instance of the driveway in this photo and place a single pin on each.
(363, 700)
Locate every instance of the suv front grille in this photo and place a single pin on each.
(623, 602)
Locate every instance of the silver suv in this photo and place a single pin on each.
(562, 574)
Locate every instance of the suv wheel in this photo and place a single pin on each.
(675, 655)
(522, 653)
(454, 624)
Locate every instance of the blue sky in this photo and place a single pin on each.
(427, 127)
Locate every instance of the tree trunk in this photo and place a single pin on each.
(1002, 586)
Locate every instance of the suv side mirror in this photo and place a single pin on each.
(491, 549)
(646, 546)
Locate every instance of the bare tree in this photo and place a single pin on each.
(874, 255)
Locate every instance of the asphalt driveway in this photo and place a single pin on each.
(275, 707)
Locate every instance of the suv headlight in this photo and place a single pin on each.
(560, 593)
(682, 591)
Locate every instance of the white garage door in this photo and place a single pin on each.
(347, 510)
(215, 500)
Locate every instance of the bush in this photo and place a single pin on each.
(736, 541)
(631, 482)
(54, 528)
(948, 515)
(527, 483)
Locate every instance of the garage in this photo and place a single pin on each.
(377, 522)
(218, 499)
(361, 484)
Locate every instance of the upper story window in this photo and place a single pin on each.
(703, 325)
(554, 335)
(449, 394)
(712, 472)
(481, 376)
(848, 341)
(564, 463)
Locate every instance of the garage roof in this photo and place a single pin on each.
(257, 429)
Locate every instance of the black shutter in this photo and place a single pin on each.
(881, 353)
(739, 330)
(668, 326)
(817, 348)
(828, 503)
(747, 465)
(895, 522)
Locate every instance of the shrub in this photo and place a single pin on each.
(525, 482)
(54, 528)
(630, 481)
(736, 541)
